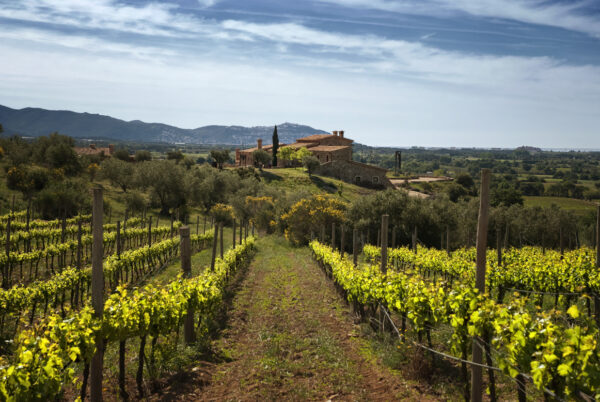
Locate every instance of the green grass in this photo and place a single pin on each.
(579, 207)
(295, 180)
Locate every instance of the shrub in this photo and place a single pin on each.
(312, 214)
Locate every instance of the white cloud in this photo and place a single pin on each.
(157, 19)
(516, 75)
(564, 15)
(237, 72)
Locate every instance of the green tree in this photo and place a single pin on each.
(143, 156)
(168, 183)
(311, 163)
(286, 154)
(121, 154)
(220, 157)
(275, 146)
(301, 153)
(261, 158)
(176, 155)
(118, 172)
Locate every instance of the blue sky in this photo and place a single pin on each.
(485, 73)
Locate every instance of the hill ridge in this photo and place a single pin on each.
(34, 122)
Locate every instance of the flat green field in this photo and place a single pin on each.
(571, 204)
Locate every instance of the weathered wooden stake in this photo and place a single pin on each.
(394, 236)
(414, 240)
(482, 229)
(384, 242)
(233, 231)
(355, 246)
(241, 231)
(198, 224)
(6, 279)
(186, 267)
(342, 240)
(448, 240)
(118, 239)
(150, 232)
(97, 363)
(204, 226)
(221, 238)
(560, 236)
(597, 297)
(499, 246)
(171, 225)
(79, 245)
(214, 248)
(333, 235)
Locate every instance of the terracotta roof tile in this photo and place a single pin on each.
(329, 148)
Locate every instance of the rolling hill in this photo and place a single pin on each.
(34, 122)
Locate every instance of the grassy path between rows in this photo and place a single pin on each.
(289, 336)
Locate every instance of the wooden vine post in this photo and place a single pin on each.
(6, 283)
(342, 240)
(414, 240)
(118, 239)
(384, 242)
(499, 246)
(214, 248)
(79, 248)
(233, 231)
(97, 294)
(198, 224)
(482, 229)
(355, 246)
(241, 231)
(333, 235)
(448, 240)
(171, 225)
(150, 232)
(122, 343)
(221, 238)
(597, 297)
(186, 267)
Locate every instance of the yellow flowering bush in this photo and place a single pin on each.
(222, 213)
(262, 210)
(312, 214)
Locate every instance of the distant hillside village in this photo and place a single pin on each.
(334, 152)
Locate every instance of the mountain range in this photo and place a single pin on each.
(34, 122)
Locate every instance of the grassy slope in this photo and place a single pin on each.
(295, 180)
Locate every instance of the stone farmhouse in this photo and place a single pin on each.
(334, 151)
(94, 150)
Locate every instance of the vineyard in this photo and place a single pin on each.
(96, 310)
(49, 320)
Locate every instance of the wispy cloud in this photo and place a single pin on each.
(571, 16)
(157, 19)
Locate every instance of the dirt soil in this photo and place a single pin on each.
(289, 336)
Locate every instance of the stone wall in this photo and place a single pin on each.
(355, 173)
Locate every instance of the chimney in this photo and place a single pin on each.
(111, 149)
(92, 146)
(259, 141)
(335, 133)
(342, 133)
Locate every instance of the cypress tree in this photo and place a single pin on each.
(275, 146)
